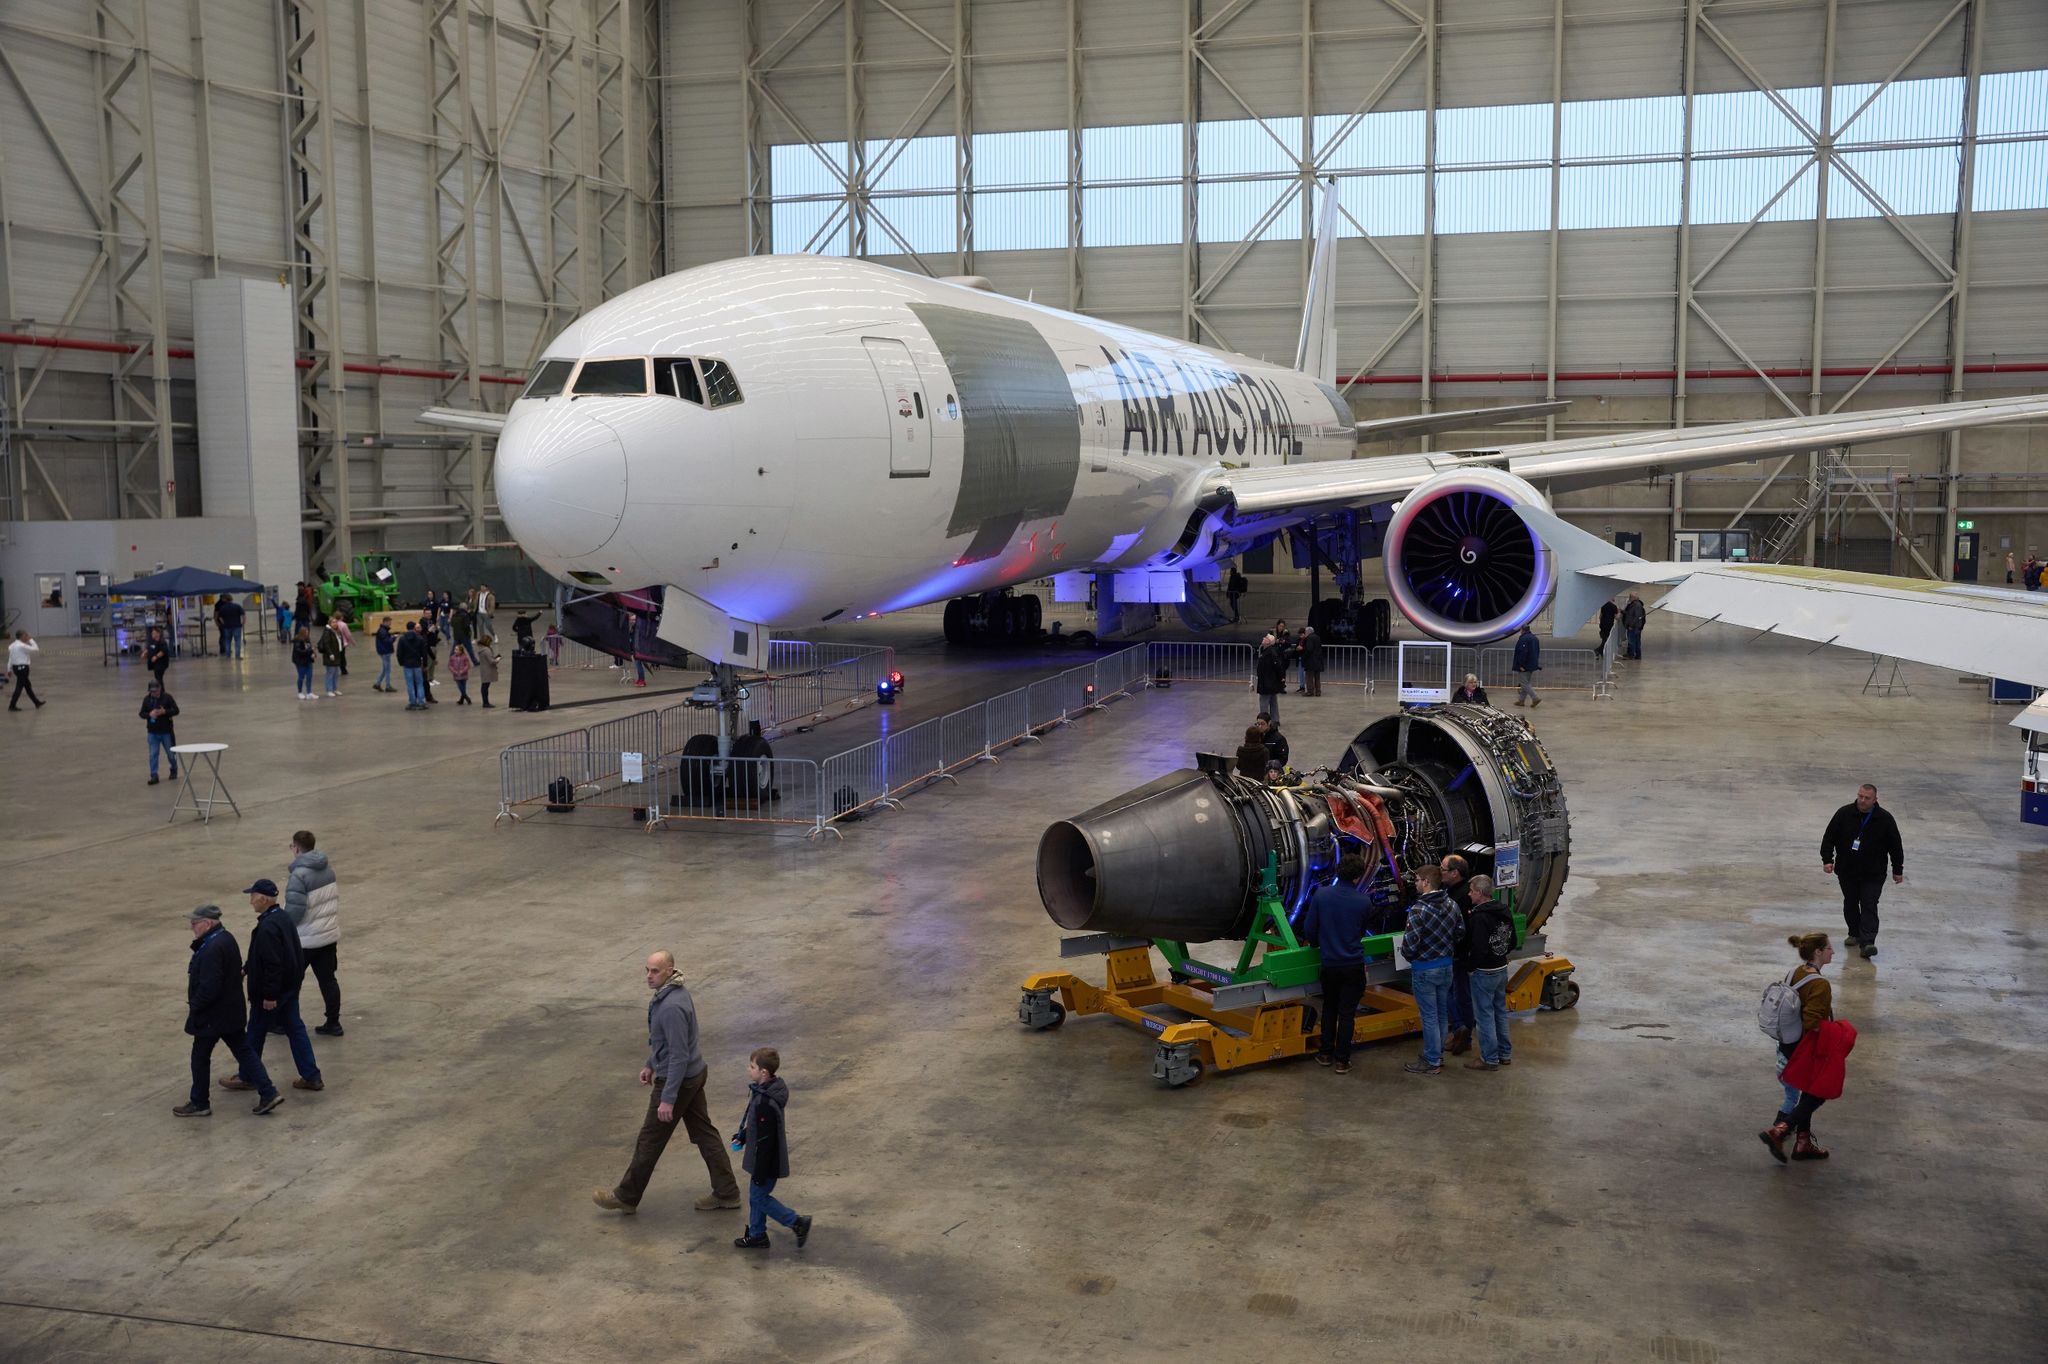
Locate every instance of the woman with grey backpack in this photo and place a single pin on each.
(1792, 1010)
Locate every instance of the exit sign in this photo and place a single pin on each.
(1966, 525)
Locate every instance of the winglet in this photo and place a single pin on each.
(1316, 356)
(1579, 594)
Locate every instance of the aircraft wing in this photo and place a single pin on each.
(1560, 466)
(1386, 428)
(1995, 631)
(458, 419)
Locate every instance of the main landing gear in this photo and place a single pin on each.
(999, 617)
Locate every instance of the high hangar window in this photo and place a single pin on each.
(549, 379)
(611, 378)
(677, 378)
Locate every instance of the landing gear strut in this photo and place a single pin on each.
(997, 617)
(734, 774)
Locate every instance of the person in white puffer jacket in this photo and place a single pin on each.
(313, 900)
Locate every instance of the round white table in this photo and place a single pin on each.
(217, 793)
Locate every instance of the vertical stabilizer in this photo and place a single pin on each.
(1317, 354)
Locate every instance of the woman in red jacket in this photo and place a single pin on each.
(1816, 1007)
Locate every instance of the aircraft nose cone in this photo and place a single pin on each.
(561, 480)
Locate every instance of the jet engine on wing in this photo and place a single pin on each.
(1460, 563)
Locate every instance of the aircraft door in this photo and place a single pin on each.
(1093, 417)
(910, 427)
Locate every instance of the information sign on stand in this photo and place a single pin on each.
(631, 768)
(1424, 673)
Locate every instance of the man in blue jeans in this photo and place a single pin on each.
(1489, 940)
(275, 970)
(1430, 944)
(158, 711)
(412, 660)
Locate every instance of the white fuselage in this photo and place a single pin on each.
(895, 440)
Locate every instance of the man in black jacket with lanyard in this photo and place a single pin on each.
(1859, 840)
(213, 1013)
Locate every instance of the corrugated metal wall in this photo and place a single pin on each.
(494, 170)
(1654, 263)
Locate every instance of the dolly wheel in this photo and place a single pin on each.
(1560, 992)
(1192, 1073)
(1039, 1011)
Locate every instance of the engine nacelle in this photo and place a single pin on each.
(1461, 564)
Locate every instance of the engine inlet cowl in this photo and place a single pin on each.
(1460, 563)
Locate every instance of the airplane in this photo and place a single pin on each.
(787, 441)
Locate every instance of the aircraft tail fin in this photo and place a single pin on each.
(1317, 354)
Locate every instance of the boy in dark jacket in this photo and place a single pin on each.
(213, 1013)
(158, 710)
(766, 1144)
(275, 971)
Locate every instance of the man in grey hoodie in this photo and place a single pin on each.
(313, 900)
(676, 1071)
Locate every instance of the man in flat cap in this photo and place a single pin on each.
(213, 1013)
(276, 970)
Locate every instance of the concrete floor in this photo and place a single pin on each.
(981, 1192)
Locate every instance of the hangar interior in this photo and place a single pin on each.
(1670, 212)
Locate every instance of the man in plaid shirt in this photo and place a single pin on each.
(1434, 928)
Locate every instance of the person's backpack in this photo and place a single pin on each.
(1778, 1013)
(562, 797)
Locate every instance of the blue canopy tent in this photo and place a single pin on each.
(183, 582)
(174, 584)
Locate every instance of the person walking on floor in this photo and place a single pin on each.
(214, 1015)
(1334, 920)
(312, 898)
(461, 633)
(1633, 617)
(486, 667)
(554, 640)
(1430, 944)
(676, 1072)
(330, 656)
(283, 609)
(342, 632)
(1312, 659)
(486, 603)
(1810, 1062)
(1235, 590)
(159, 709)
(1857, 843)
(156, 655)
(386, 646)
(1528, 662)
(1269, 673)
(21, 654)
(302, 662)
(764, 1138)
(411, 652)
(1609, 613)
(430, 637)
(1489, 939)
(458, 668)
(275, 971)
(227, 619)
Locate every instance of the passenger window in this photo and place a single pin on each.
(720, 387)
(677, 378)
(549, 379)
(611, 378)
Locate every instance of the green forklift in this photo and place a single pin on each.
(371, 587)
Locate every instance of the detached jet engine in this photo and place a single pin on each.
(1183, 857)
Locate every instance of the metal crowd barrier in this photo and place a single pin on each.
(1373, 668)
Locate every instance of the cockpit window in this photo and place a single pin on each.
(611, 378)
(720, 386)
(549, 379)
(677, 378)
